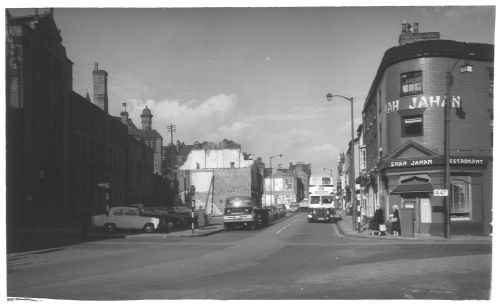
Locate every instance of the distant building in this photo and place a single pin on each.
(286, 186)
(174, 156)
(216, 156)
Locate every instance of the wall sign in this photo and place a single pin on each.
(421, 162)
(421, 102)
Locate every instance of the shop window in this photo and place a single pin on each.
(411, 83)
(412, 126)
(460, 200)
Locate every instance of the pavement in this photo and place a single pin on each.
(32, 240)
(345, 226)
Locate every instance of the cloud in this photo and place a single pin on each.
(194, 120)
(305, 134)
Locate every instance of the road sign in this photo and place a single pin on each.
(103, 185)
(440, 192)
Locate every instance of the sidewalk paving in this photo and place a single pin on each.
(188, 232)
(345, 227)
(30, 240)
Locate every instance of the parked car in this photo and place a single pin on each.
(126, 217)
(273, 213)
(282, 210)
(183, 210)
(294, 207)
(168, 219)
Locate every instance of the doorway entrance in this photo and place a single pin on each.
(422, 210)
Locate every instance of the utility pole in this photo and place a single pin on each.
(172, 129)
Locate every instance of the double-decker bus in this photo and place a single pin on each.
(321, 199)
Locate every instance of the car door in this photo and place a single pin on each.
(117, 217)
(131, 219)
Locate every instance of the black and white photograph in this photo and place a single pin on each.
(267, 152)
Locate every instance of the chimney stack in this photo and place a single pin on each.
(124, 114)
(100, 87)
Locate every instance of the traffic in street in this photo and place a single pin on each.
(289, 259)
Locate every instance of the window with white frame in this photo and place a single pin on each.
(362, 157)
(460, 198)
(411, 83)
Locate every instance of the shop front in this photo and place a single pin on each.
(412, 183)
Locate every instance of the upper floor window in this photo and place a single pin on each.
(412, 126)
(363, 159)
(411, 83)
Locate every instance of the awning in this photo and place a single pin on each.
(409, 188)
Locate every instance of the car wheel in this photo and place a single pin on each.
(109, 227)
(227, 227)
(149, 228)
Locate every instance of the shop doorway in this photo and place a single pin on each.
(422, 210)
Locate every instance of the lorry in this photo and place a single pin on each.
(241, 211)
(304, 204)
(126, 217)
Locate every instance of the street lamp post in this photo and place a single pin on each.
(466, 67)
(355, 223)
(271, 174)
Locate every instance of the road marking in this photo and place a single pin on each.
(284, 227)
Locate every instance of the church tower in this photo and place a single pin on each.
(146, 119)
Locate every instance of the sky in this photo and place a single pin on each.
(255, 75)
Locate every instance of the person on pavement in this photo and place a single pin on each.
(201, 217)
(395, 221)
(379, 221)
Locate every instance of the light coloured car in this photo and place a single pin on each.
(294, 207)
(126, 217)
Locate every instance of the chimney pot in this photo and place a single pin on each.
(415, 27)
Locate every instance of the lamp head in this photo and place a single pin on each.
(466, 67)
(329, 97)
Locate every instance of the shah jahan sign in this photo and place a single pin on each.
(421, 102)
(454, 161)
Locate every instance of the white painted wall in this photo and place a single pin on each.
(215, 159)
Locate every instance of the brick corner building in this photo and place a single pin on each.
(403, 130)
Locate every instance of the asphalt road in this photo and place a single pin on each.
(291, 259)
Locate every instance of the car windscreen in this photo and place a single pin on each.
(315, 199)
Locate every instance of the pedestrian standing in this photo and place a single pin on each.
(201, 217)
(395, 221)
(379, 221)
